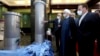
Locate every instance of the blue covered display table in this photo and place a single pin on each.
(34, 49)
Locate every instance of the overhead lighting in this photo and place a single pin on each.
(19, 2)
(68, 1)
(93, 10)
(57, 11)
(22, 2)
(98, 3)
(29, 1)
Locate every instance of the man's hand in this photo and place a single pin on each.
(59, 25)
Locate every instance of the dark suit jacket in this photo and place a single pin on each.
(88, 28)
(55, 25)
(76, 21)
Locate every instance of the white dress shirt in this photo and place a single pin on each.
(82, 18)
(59, 20)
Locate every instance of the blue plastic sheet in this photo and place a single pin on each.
(35, 49)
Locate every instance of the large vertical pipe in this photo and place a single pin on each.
(12, 30)
(39, 18)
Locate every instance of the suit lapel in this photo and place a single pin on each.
(84, 19)
(78, 20)
(56, 21)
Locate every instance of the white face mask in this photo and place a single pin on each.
(58, 17)
(64, 15)
(79, 13)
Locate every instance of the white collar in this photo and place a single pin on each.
(58, 18)
(67, 17)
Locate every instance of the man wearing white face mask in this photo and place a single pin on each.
(79, 12)
(87, 30)
(68, 35)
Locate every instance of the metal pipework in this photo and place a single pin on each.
(11, 30)
(39, 18)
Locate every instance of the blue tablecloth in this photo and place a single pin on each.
(34, 49)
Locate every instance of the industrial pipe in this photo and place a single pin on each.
(11, 30)
(39, 18)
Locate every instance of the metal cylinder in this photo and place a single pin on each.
(39, 18)
(12, 30)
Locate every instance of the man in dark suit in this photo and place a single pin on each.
(87, 30)
(98, 38)
(57, 29)
(68, 35)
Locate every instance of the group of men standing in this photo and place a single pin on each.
(84, 31)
